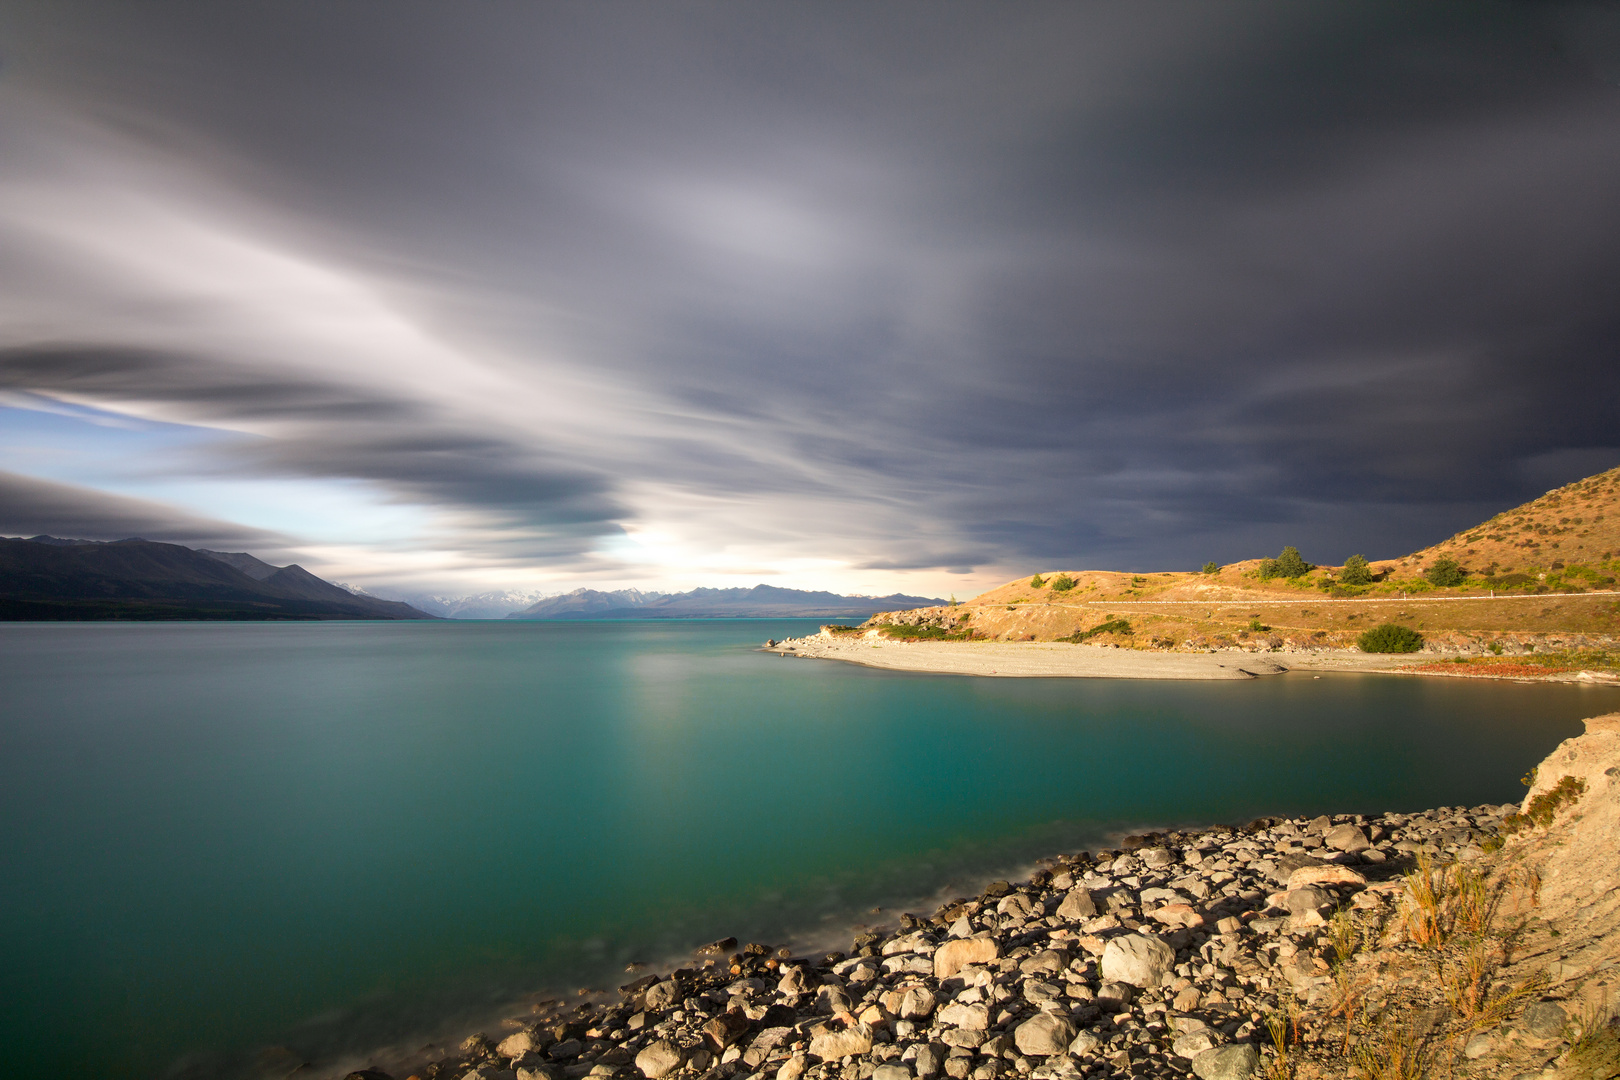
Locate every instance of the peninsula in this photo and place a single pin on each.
(1531, 593)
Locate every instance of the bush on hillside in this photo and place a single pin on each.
(1112, 626)
(1212, 568)
(1289, 565)
(1037, 582)
(1356, 571)
(1389, 638)
(1062, 583)
(1444, 573)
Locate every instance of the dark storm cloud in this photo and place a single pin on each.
(32, 507)
(914, 285)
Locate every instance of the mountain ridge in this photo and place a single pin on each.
(760, 601)
(52, 579)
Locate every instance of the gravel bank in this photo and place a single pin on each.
(1029, 659)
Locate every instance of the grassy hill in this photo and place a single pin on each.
(1540, 577)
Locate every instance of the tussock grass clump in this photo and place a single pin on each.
(1445, 900)
(1594, 1051)
(1396, 1051)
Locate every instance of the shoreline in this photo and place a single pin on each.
(1181, 951)
(1033, 659)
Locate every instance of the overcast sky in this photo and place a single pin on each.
(863, 297)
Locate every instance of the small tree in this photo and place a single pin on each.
(1356, 571)
(1390, 638)
(1037, 582)
(1445, 572)
(1289, 564)
(1212, 568)
(1062, 583)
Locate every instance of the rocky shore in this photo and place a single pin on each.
(1457, 941)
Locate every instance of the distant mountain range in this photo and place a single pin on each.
(760, 602)
(47, 578)
(488, 605)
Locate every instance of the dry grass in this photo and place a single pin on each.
(1444, 900)
(1395, 1051)
(1594, 1052)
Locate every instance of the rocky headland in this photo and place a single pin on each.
(1461, 941)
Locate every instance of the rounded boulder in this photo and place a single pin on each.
(1141, 960)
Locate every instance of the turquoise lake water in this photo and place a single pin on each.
(332, 836)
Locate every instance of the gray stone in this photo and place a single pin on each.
(996, 1046)
(1319, 825)
(568, 1048)
(1479, 1045)
(1078, 904)
(660, 1059)
(1139, 959)
(1190, 1044)
(1155, 857)
(832, 999)
(916, 1002)
(953, 956)
(1113, 995)
(1084, 1044)
(664, 995)
(1347, 838)
(793, 981)
(1237, 1062)
(518, 1044)
(1307, 898)
(1044, 1035)
(971, 1017)
(1544, 1020)
(966, 1038)
(537, 1072)
(930, 1059)
(1041, 993)
(1049, 962)
(832, 1041)
(892, 1070)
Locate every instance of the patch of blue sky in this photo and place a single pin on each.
(149, 459)
(77, 444)
(328, 511)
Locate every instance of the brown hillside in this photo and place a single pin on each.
(1541, 576)
(1577, 524)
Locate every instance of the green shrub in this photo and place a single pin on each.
(1544, 807)
(1212, 568)
(1112, 626)
(1037, 582)
(1356, 571)
(1062, 583)
(1289, 565)
(1256, 626)
(1445, 572)
(1389, 638)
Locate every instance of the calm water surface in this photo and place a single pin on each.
(335, 835)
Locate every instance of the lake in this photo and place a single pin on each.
(333, 836)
